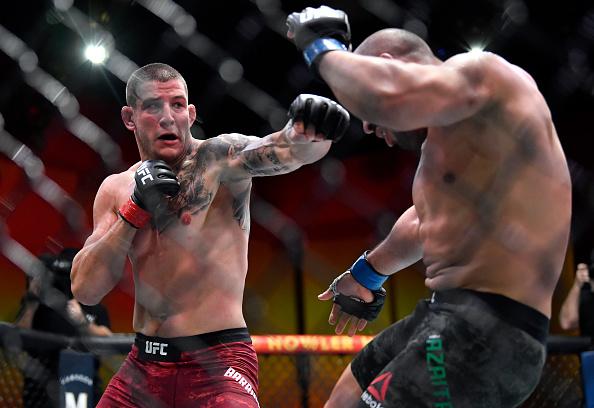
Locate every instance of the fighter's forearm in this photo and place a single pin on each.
(99, 266)
(279, 153)
(306, 153)
(402, 246)
(299, 152)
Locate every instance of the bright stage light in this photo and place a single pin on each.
(97, 54)
(477, 45)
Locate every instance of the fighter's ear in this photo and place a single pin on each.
(127, 117)
(192, 113)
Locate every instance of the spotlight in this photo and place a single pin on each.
(97, 54)
(476, 48)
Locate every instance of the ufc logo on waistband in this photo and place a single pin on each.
(154, 347)
(143, 171)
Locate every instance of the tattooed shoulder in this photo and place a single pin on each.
(227, 145)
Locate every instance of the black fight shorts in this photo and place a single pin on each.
(462, 349)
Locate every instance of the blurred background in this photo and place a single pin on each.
(61, 132)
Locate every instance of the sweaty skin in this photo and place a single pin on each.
(190, 263)
(492, 194)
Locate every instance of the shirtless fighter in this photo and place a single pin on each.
(490, 220)
(181, 216)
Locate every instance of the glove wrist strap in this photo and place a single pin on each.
(365, 273)
(321, 46)
(133, 214)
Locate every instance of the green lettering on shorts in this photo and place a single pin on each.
(435, 359)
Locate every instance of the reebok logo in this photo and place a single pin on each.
(231, 372)
(379, 386)
(375, 394)
(369, 401)
(154, 347)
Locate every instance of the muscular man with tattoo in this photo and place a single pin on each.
(181, 216)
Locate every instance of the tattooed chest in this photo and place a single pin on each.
(195, 196)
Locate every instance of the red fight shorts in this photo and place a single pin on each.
(217, 369)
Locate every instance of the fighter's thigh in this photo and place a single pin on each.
(384, 348)
(449, 362)
(221, 387)
(136, 385)
(417, 374)
(416, 377)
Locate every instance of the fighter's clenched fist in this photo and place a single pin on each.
(316, 31)
(325, 116)
(154, 180)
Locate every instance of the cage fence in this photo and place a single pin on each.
(296, 371)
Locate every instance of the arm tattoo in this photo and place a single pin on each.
(241, 209)
(259, 159)
(263, 162)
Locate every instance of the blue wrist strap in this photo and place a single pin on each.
(366, 275)
(321, 46)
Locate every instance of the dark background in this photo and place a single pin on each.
(355, 193)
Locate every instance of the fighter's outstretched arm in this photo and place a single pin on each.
(386, 91)
(406, 96)
(99, 265)
(314, 123)
(276, 153)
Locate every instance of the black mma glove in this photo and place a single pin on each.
(327, 116)
(315, 31)
(154, 180)
(358, 308)
(365, 275)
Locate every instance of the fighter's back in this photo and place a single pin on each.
(493, 193)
